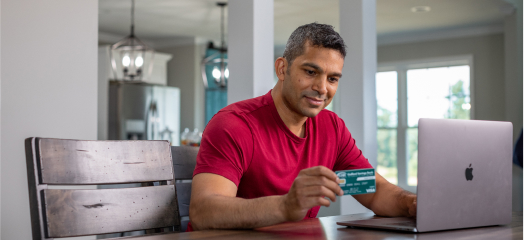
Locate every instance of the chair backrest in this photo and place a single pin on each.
(184, 161)
(57, 213)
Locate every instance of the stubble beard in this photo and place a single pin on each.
(294, 103)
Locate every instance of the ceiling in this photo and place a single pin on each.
(157, 20)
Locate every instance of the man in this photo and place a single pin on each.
(271, 159)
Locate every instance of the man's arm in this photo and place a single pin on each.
(389, 200)
(214, 204)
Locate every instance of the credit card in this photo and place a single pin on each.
(358, 181)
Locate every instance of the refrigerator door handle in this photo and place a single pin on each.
(151, 119)
(147, 122)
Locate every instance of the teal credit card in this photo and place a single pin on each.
(358, 181)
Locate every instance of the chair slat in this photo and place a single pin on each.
(184, 161)
(81, 162)
(183, 191)
(86, 212)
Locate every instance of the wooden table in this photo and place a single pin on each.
(326, 228)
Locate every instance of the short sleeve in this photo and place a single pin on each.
(349, 155)
(226, 147)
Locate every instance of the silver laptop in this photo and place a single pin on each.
(464, 177)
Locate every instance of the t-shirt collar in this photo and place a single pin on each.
(269, 100)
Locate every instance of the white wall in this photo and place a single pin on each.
(0, 119)
(513, 87)
(250, 49)
(49, 89)
(355, 101)
(104, 74)
(513, 69)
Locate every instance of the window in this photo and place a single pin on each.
(387, 119)
(408, 91)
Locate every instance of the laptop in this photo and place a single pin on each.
(464, 177)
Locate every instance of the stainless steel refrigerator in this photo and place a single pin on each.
(141, 111)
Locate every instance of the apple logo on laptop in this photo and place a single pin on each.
(469, 173)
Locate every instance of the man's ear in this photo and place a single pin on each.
(281, 68)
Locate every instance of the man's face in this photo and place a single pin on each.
(312, 80)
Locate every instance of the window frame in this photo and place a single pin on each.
(401, 67)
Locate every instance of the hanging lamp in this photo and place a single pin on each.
(131, 59)
(220, 71)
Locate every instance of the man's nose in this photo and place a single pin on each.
(320, 85)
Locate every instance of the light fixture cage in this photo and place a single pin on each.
(131, 59)
(216, 64)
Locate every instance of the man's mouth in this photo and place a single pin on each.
(314, 101)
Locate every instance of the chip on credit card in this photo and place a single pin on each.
(358, 181)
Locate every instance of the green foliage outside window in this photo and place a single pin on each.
(387, 144)
(458, 97)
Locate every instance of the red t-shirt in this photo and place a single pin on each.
(247, 143)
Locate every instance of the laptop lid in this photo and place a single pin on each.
(464, 174)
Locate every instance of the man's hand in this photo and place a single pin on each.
(389, 200)
(308, 190)
(412, 206)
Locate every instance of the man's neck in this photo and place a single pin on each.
(294, 122)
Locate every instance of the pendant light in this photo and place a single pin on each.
(220, 70)
(131, 59)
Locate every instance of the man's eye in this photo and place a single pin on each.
(333, 79)
(310, 72)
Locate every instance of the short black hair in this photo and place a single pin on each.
(320, 35)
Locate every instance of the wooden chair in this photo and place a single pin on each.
(184, 161)
(57, 213)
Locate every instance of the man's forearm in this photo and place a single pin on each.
(214, 205)
(221, 212)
